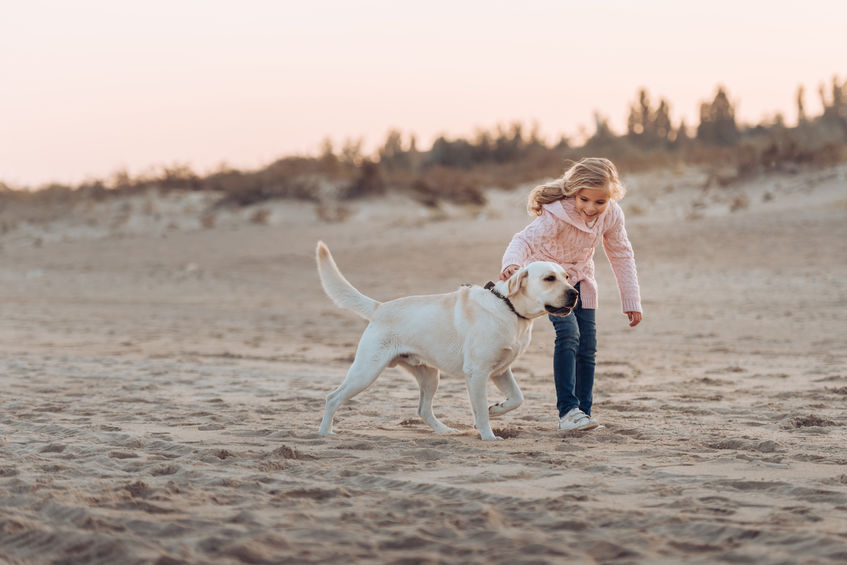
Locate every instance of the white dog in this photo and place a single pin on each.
(475, 332)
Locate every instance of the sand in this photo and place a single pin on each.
(164, 368)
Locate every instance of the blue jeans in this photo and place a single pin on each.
(574, 358)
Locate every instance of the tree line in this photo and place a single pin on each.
(460, 169)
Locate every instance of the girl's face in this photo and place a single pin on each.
(592, 202)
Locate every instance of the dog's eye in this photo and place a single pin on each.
(550, 278)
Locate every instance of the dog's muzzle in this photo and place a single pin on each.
(563, 311)
(570, 299)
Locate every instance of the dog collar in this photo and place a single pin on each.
(490, 286)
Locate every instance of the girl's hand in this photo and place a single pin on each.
(634, 318)
(508, 272)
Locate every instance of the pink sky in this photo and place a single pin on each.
(89, 87)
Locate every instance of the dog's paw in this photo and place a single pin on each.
(496, 409)
(492, 438)
(446, 430)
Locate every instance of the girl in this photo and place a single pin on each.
(574, 213)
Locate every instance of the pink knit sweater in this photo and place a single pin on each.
(561, 236)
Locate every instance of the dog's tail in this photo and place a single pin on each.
(339, 289)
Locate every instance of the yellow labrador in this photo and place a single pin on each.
(475, 332)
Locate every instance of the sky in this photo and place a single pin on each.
(91, 87)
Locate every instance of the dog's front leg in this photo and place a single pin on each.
(508, 386)
(478, 392)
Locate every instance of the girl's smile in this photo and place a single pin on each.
(591, 203)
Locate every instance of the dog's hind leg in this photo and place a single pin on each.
(369, 363)
(508, 386)
(427, 378)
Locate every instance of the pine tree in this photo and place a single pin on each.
(717, 121)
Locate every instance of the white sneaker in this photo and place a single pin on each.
(577, 420)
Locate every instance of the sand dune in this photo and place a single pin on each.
(164, 378)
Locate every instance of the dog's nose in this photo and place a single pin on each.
(571, 293)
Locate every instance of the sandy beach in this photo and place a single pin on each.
(164, 367)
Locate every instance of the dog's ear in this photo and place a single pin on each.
(516, 282)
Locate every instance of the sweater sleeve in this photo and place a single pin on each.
(622, 259)
(527, 241)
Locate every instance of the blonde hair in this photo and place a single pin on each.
(589, 172)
